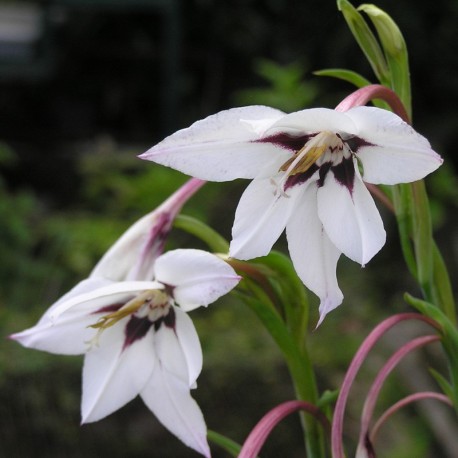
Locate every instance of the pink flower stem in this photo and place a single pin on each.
(261, 431)
(378, 193)
(358, 359)
(371, 399)
(402, 403)
(374, 91)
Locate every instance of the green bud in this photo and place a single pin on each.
(395, 50)
(366, 40)
(389, 33)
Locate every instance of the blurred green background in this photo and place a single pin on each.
(86, 86)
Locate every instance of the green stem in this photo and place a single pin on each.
(199, 229)
(401, 199)
(297, 360)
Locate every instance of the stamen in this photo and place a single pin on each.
(152, 298)
(307, 155)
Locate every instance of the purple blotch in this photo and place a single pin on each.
(324, 169)
(169, 320)
(287, 141)
(136, 329)
(354, 143)
(345, 173)
(300, 178)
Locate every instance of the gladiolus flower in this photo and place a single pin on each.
(138, 339)
(129, 319)
(308, 170)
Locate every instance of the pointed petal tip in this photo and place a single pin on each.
(327, 305)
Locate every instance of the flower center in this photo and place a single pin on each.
(152, 304)
(309, 154)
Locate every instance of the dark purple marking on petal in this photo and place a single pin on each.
(287, 141)
(158, 234)
(169, 320)
(300, 178)
(109, 308)
(136, 329)
(344, 173)
(324, 169)
(354, 143)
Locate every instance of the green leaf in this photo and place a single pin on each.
(395, 50)
(366, 40)
(422, 236)
(442, 292)
(352, 78)
(193, 226)
(449, 339)
(292, 293)
(224, 442)
(442, 382)
(345, 75)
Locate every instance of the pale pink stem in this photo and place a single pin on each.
(374, 91)
(402, 403)
(371, 399)
(358, 359)
(261, 431)
(375, 191)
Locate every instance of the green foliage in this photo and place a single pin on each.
(286, 88)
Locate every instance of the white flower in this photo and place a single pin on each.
(308, 170)
(138, 339)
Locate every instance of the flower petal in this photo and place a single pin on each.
(113, 374)
(170, 400)
(350, 218)
(312, 120)
(109, 293)
(132, 256)
(179, 349)
(220, 147)
(63, 337)
(261, 217)
(312, 253)
(198, 278)
(399, 154)
(64, 328)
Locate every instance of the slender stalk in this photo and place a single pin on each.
(261, 431)
(358, 359)
(296, 358)
(372, 396)
(402, 403)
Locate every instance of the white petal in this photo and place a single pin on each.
(179, 349)
(133, 255)
(170, 400)
(64, 328)
(111, 292)
(198, 277)
(399, 154)
(220, 147)
(113, 376)
(261, 217)
(63, 337)
(312, 120)
(351, 220)
(123, 256)
(312, 253)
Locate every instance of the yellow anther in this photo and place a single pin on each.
(310, 153)
(305, 161)
(152, 298)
